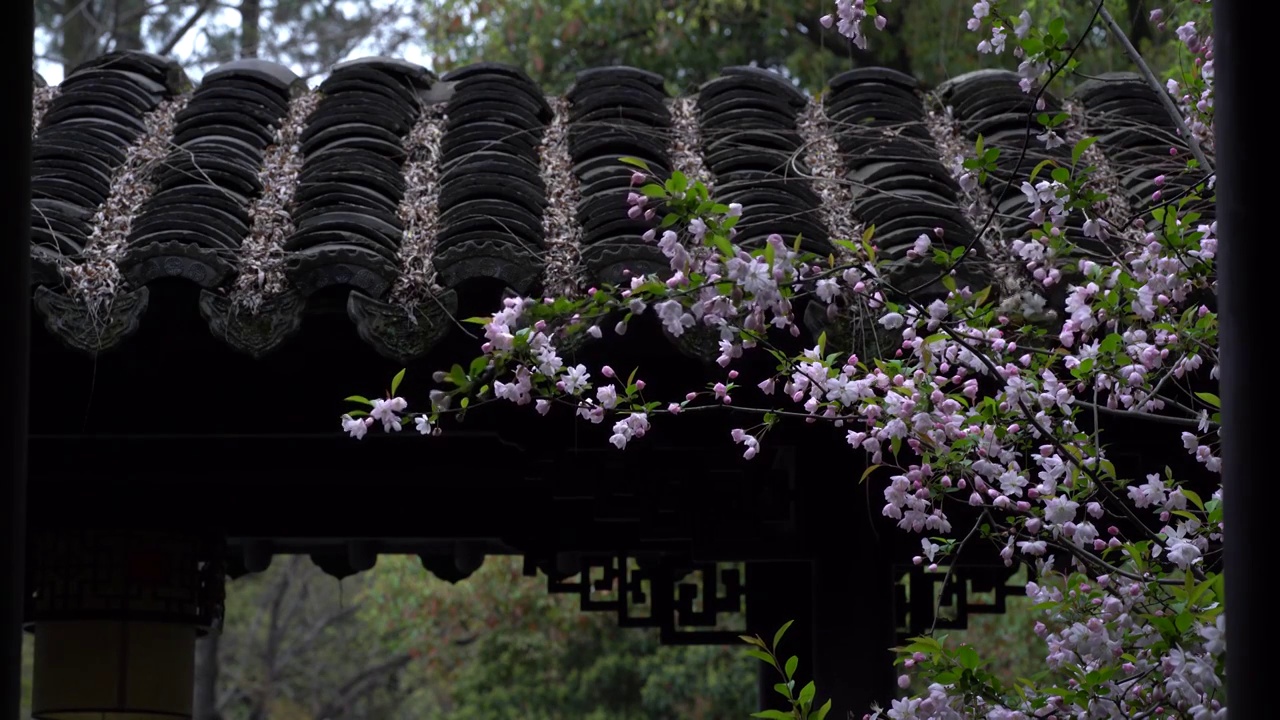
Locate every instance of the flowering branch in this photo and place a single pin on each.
(961, 403)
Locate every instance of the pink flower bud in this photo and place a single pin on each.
(637, 178)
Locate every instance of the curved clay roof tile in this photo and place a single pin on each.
(405, 188)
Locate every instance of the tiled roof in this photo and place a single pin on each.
(406, 188)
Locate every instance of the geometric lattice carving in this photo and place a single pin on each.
(683, 600)
(125, 575)
(970, 590)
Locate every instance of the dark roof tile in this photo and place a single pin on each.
(404, 188)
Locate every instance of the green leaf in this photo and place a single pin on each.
(360, 399)
(653, 190)
(395, 381)
(967, 658)
(806, 693)
(1061, 174)
(980, 298)
(762, 656)
(1040, 166)
(777, 637)
(867, 473)
(783, 689)
(1112, 343)
(478, 320)
(722, 244)
(790, 669)
(457, 375)
(1193, 498)
(678, 183)
(821, 712)
(1210, 399)
(1078, 150)
(635, 162)
(772, 715)
(751, 640)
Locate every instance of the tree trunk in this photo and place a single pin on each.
(1139, 23)
(126, 31)
(206, 689)
(78, 41)
(250, 38)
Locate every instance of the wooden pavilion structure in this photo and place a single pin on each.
(215, 267)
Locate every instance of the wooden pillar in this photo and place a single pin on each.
(853, 611)
(1245, 286)
(854, 627)
(15, 331)
(779, 592)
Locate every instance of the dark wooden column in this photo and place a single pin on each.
(779, 592)
(15, 293)
(1245, 287)
(853, 627)
(853, 615)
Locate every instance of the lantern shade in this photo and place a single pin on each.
(113, 670)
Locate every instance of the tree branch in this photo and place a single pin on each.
(1174, 113)
(181, 32)
(355, 684)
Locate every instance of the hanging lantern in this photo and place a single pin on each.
(115, 617)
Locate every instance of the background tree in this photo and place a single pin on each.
(294, 648)
(308, 35)
(498, 645)
(687, 42)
